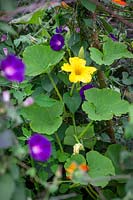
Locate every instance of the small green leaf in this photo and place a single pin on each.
(100, 167)
(31, 18)
(107, 104)
(72, 102)
(88, 139)
(106, 25)
(39, 59)
(64, 188)
(89, 5)
(62, 156)
(81, 53)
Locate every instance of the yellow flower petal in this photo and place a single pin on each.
(73, 78)
(91, 70)
(79, 72)
(77, 61)
(66, 67)
(86, 78)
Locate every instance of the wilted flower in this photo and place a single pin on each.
(73, 167)
(119, 2)
(28, 101)
(79, 72)
(77, 30)
(112, 36)
(57, 42)
(3, 37)
(85, 87)
(64, 5)
(13, 68)
(6, 96)
(5, 50)
(77, 147)
(39, 147)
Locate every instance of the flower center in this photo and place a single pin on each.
(9, 71)
(78, 70)
(36, 149)
(58, 42)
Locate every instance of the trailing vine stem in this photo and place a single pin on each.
(102, 80)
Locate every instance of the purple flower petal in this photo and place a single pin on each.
(28, 101)
(112, 36)
(57, 42)
(13, 68)
(39, 147)
(59, 29)
(3, 37)
(62, 29)
(85, 87)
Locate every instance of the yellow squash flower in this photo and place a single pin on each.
(79, 72)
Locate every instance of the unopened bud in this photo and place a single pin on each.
(6, 96)
(28, 102)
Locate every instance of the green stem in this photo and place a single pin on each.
(54, 85)
(85, 130)
(59, 142)
(74, 124)
(72, 88)
(93, 197)
(92, 190)
(33, 166)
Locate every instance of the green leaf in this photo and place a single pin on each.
(44, 119)
(72, 102)
(23, 39)
(44, 100)
(62, 156)
(89, 5)
(111, 52)
(106, 25)
(39, 58)
(7, 28)
(7, 187)
(96, 55)
(31, 18)
(100, 167)
(19, 193)
(64, 188)
(102, 104)
(88, 139)
(113, 152)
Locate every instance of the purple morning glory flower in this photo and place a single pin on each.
(61, 29)
(85, 87)
(57, 42)
(13, 68)
(112, 36)
(39, 147)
